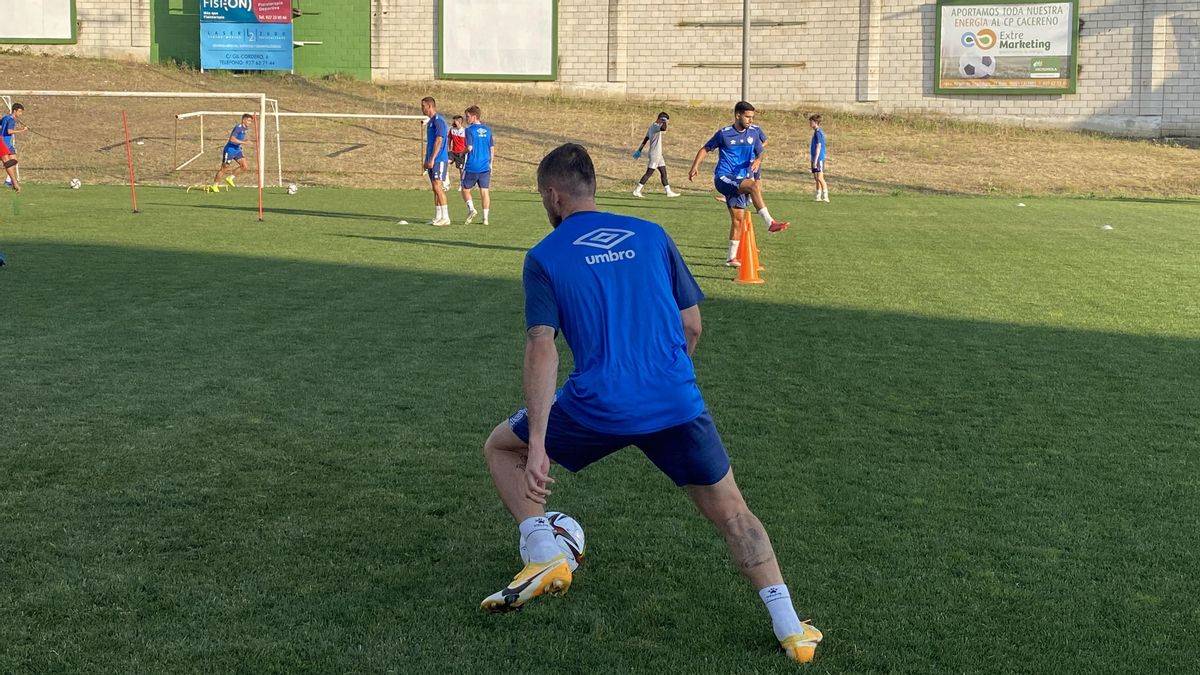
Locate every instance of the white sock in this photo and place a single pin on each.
(539, 539)
(666, 188)
(470, 205)
(783, 614)
(485, 213)
(444, 211)
(733, 248)
(638, 188)
(766, 215)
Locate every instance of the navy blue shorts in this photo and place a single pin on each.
(438, 172)
(690, 453)
(818, 166)
(472, 178)
(231, 156)
(728, 187)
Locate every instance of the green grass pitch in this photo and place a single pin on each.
(971, 429)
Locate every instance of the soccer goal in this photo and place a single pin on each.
(113, 136)
(318, 142)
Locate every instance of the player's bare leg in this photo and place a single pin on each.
(486, 198)
(750, 547)
(547, 571)
(753, 189)
(735, 236)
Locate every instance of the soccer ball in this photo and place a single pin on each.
(973, 65)
(568, 533)
(293, 188)
(75, 183)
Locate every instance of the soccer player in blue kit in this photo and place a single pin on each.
(478, 170)
(618, 290)
(232, 153)
(437, 159)
(8, 147)
(739, 159)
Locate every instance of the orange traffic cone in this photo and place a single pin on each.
(753, 242)
(748, 272)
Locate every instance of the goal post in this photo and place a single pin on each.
(276, 114)
(260, 98)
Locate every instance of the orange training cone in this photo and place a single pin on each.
(748, 272)
(753, 242)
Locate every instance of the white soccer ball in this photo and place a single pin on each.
(76, 183)
(293, 188)
(975, 65)
(568, 533)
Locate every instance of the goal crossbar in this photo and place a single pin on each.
(259, 97)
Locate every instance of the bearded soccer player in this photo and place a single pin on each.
(740, 155)
(618, 290)
(437, 134)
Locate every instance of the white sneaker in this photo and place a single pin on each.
(817, 198)
(672, 193)
(471, 216)
(440, 222)
(485, 222)
(825, 199)
(637, 193)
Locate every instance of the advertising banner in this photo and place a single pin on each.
(246, 34)
(1006, 47)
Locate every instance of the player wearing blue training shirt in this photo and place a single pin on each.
(816, 154)
(739, 159)
(481, 150)
(437, 159)
(10, 125)
(618, 290)
(232, 153)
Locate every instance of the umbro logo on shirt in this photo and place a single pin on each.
(606, 238)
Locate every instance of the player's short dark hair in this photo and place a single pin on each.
(17, 106)
(568, 168)
(474, 110)
(741, 107)
(456, 117)
(814, 118)
(663, 116)
(248, 115)
(430, 100)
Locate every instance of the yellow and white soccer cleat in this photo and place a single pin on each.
(229, 181)
(553, 577)
(802, 647)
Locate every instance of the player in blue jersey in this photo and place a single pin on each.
(9, 125)
(232, 153)
(481, 150)
(437, 159)
(618, 290)
(740, 155)
(816, 154)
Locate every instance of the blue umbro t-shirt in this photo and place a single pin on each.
(479, 140)
(614, 286)
(437, 127)
(239, 132)
(7, 124)
(738, 150)
(818, 138)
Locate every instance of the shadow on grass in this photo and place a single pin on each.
(208, 447)
(433, 242)
(342, 215)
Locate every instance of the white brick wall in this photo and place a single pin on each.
(1140, 58)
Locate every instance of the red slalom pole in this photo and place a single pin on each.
(129, 156)
(258, 156)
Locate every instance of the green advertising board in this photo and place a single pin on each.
(1006, 47)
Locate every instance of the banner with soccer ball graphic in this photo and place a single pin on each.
(1009, 47)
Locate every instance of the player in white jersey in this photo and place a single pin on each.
(655, 159)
